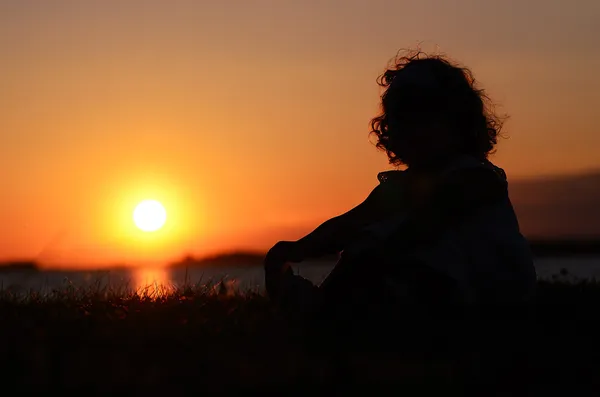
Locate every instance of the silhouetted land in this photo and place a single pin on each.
(559, 206)
(202, 339)
(540, 248)
(19, 266)
(238, 258)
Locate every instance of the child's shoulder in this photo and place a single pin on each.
(473, 171)
(473, 181)
(391, 176)
(467, 176)
(468, 164)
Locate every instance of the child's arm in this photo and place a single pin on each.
(332, 235)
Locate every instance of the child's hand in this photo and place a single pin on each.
(281, 253)
(277, 266)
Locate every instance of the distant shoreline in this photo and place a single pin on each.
(540, 249)
(562, 248)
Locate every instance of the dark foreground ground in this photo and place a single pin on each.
(202, 340)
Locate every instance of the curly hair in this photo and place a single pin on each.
(420, 89)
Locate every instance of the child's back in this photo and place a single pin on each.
(456, 226)
(463, 227)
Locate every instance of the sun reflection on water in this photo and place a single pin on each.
(152, 281)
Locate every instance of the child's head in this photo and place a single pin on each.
(431, 111)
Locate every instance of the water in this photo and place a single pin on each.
(577, 268)
(242, 277)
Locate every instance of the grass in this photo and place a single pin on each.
(209, 338)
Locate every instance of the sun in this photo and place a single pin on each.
(149, 215)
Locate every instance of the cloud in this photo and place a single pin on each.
(565, 206)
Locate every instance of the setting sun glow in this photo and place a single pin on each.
(104, 105)
(149, 215)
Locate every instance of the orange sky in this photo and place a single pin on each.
(249, 119)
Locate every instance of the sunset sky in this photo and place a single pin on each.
(249, 120)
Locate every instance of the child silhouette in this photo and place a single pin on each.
(443, 229)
